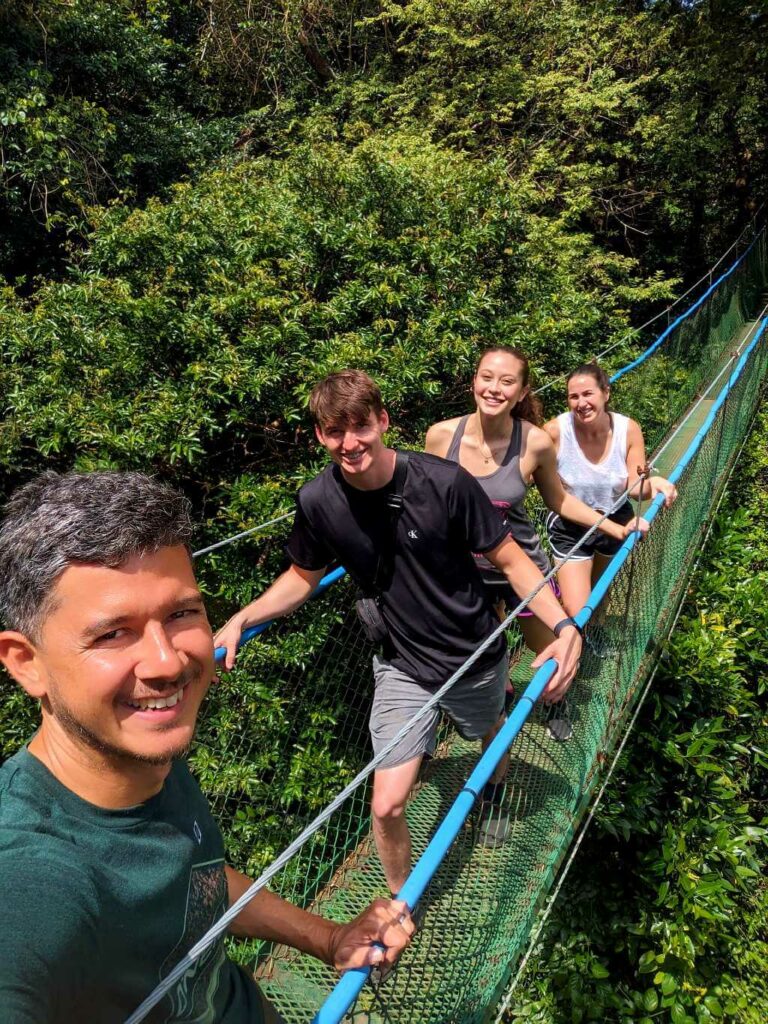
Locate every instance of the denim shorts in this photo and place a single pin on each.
(474, 704)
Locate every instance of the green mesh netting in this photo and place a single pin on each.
(482, 902)
(658, 392)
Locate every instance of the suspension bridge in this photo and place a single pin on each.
(695, 391)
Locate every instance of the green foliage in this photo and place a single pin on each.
(616, 118)
(189, 335)
(252, 53)
(97, 100)
(664, 915)
(613, 120)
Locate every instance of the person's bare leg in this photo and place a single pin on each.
(599, 564)
(501, 768)
(537, 636)
(391, 787)
(501, 612)
(575, 579)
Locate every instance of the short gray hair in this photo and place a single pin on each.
(63, 519)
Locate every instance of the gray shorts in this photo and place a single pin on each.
(474, 704)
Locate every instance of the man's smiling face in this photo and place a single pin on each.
(126, 656)
(356, 447)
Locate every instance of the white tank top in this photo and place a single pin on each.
(598, 485)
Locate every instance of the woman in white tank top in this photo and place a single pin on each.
(503, 446)
(598, 454)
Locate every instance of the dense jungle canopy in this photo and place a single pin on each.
(205, 205)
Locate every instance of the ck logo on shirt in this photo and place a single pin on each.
(413, 534)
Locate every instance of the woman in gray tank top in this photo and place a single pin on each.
(503, 446)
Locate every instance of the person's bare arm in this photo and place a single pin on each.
(343, 946)
(561, 501)
(289, 591)
(438, 439)
(552, 427)
(652, 485)
(523, 576)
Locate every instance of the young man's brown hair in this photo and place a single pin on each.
(347, 397)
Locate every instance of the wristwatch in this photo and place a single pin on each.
(561, 625)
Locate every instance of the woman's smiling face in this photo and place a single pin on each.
(498, 384)
(586, 399)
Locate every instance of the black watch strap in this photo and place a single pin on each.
(560, 626)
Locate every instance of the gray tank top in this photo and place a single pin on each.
(506, 489)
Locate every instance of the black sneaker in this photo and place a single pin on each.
(559, 727)
(495, 820)
(560, 730)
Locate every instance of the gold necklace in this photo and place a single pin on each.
(480, 442)
(489, 456)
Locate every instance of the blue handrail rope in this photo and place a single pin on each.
(351, 983)
(336, 574)
(222, 923)
(426, 866)
(254, 631)
(684, 316)
(576, 845)
(667, 310)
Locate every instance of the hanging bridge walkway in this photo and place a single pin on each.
(695, 392)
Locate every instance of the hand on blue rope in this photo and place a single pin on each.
(566, 652)
(636, 525)
(659, 485)
(377, 936)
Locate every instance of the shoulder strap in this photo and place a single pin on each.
(454, 447)
(395, 497)
(386, 558)
(515, 441)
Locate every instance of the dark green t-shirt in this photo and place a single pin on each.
(97, 906)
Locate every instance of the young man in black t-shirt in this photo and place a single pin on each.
(433, 602)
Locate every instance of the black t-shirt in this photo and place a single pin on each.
(434, 602)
